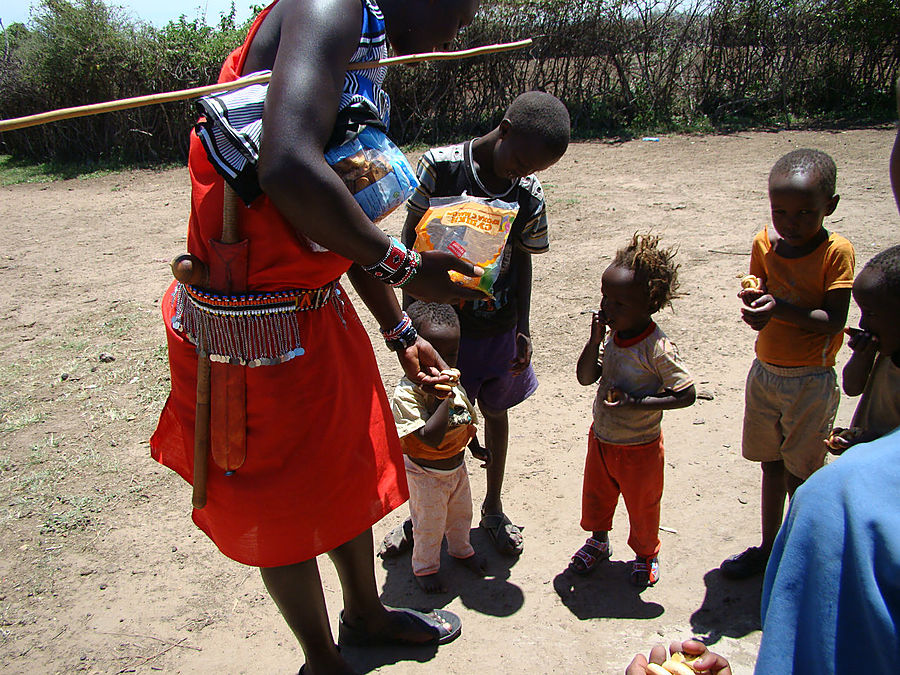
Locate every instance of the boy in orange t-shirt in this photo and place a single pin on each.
(792, 395)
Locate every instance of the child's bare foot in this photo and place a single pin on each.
(432, 583)
(476, 563)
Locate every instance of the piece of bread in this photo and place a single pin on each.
(751, 282)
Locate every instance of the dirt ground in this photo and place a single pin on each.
(101, 569)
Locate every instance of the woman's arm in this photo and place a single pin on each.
(316, 42)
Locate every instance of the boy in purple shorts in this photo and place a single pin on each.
(495, 344)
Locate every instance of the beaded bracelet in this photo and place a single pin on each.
(415, 260)
(401, 336)
(398, 266)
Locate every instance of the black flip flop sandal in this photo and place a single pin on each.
(445, 625)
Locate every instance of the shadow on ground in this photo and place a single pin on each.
(493, 595)
(730, 608)
(606, 593)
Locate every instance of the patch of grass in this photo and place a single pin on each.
(72, 513)
(21, 419)
(118, 325)
(14, 171)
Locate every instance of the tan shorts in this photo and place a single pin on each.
(788, 414)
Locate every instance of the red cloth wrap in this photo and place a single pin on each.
(323, 459)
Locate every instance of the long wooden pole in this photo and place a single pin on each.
(180, 95)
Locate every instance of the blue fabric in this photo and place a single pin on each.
(365, 85)
(831, 597)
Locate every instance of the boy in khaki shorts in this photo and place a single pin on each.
(799, 309)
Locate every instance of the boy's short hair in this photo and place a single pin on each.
(806, 160)
(425, 314)
(541, 115)
(653, 266)
(887, 266)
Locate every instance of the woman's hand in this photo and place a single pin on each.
(423, 365)
(432, 282)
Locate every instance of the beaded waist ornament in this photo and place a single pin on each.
(251, 329)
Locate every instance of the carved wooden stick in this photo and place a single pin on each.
(180, 95)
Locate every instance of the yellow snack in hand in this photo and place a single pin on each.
(751, 282)
(848, 435)
(677, 667)
(656, 670)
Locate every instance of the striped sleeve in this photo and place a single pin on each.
(427, 174)
(535, 235)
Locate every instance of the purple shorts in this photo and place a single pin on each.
(484, 365)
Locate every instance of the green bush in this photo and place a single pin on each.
(621, 66)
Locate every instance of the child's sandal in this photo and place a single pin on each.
(586, 558)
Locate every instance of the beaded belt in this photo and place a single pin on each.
(251, 329)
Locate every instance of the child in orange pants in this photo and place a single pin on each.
(640, 375)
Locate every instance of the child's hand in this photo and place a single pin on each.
(481, 453)
(861, 340)
(749, 295)
(701, 659)
(752, 288)
(523, 354)
(757, 313)
(616, 398)
(598, 328)
(842, 439)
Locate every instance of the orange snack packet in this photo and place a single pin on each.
(473, 229)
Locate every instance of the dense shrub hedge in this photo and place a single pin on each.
(619, 65)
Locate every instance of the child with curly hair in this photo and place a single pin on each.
(641, 374)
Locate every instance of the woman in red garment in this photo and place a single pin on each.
(323, 462)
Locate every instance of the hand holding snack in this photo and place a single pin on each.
(423, 365)
(687, 658)
(432, 282)
(444, 389)
(841, 439)
(616, 398)
(472, 229)
(752, 288)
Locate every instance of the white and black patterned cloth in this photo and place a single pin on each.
(230, 127)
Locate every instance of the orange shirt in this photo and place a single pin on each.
(412, 408)
(802, 282)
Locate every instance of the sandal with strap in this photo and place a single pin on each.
(445, 627)
(586, 558)
(507, 537)
(645, 571)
